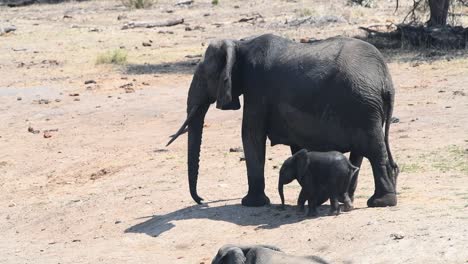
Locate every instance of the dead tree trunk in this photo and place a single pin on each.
(439, 12)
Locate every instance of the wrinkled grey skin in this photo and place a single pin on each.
(259, 254)
(333, 94)
(322, 175)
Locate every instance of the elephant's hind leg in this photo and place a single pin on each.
(384, 194)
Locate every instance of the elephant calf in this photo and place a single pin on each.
(259, 254)
(322, 175)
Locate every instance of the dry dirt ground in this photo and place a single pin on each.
(104, 189)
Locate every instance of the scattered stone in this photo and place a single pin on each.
(99, 174)
(252, 19)
(76, 240)
(206, 14)
(77, 99)
(74, 94)
(43, 101)
(67, 16)
(146, 44)
(441, 91)
(58, 100)
(165, 32)
(32, 130)
(12, 205)
(459, 93)
(242, 159)
(129, 90)
(19, 98)
(397, 236)
(394, 120)
(94, 30)
(193, 56)
(161, 150)
(6, 30)
(90, 82)
(184, 3)
(47, 134)
(118, 222)
(275, 167)
(238, 149)
(127, 85)
(120, 17)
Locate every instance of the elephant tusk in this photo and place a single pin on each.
(183, 128)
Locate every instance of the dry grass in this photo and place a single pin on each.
(117, 56)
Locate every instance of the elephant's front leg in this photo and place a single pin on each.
(253, 139)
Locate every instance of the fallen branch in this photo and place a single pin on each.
(168, 23)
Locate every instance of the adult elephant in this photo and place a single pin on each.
(334, 94)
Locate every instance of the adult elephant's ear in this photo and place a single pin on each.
(225, 99)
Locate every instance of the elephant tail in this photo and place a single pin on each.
(389, 100)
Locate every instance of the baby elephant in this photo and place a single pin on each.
(322, 175)
(259, 254)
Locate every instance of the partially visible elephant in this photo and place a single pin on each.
(333, 94)
(322, 175)
(259, 254)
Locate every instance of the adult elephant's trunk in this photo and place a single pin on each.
(198, 103)
(195, 130)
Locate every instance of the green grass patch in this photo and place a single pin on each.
(117, 56)
(215, 2)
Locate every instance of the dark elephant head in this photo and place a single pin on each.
(236, 254)
(293, 168)
(213, 81)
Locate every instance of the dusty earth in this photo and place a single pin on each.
(104, 189)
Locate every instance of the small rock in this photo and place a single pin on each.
(459, 93)
(77, 99)
(120, 17)
(275, 167)
(19, 98)
(397, 236)
(76, 240)
(145, 83)
(43, 101)
(238, 149)
(74, 94)
(47, 134)
(184, 3)
(206, 14)
(161, 150)
(242, 159)
(146, 44)
(394, 120)
(12, 205)
(32, 130)
(129, 90)
(94, 30)
(58, 100)
(118, 222)
(90, 82)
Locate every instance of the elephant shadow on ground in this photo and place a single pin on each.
(268, 217)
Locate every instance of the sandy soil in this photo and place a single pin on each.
(104, 189)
